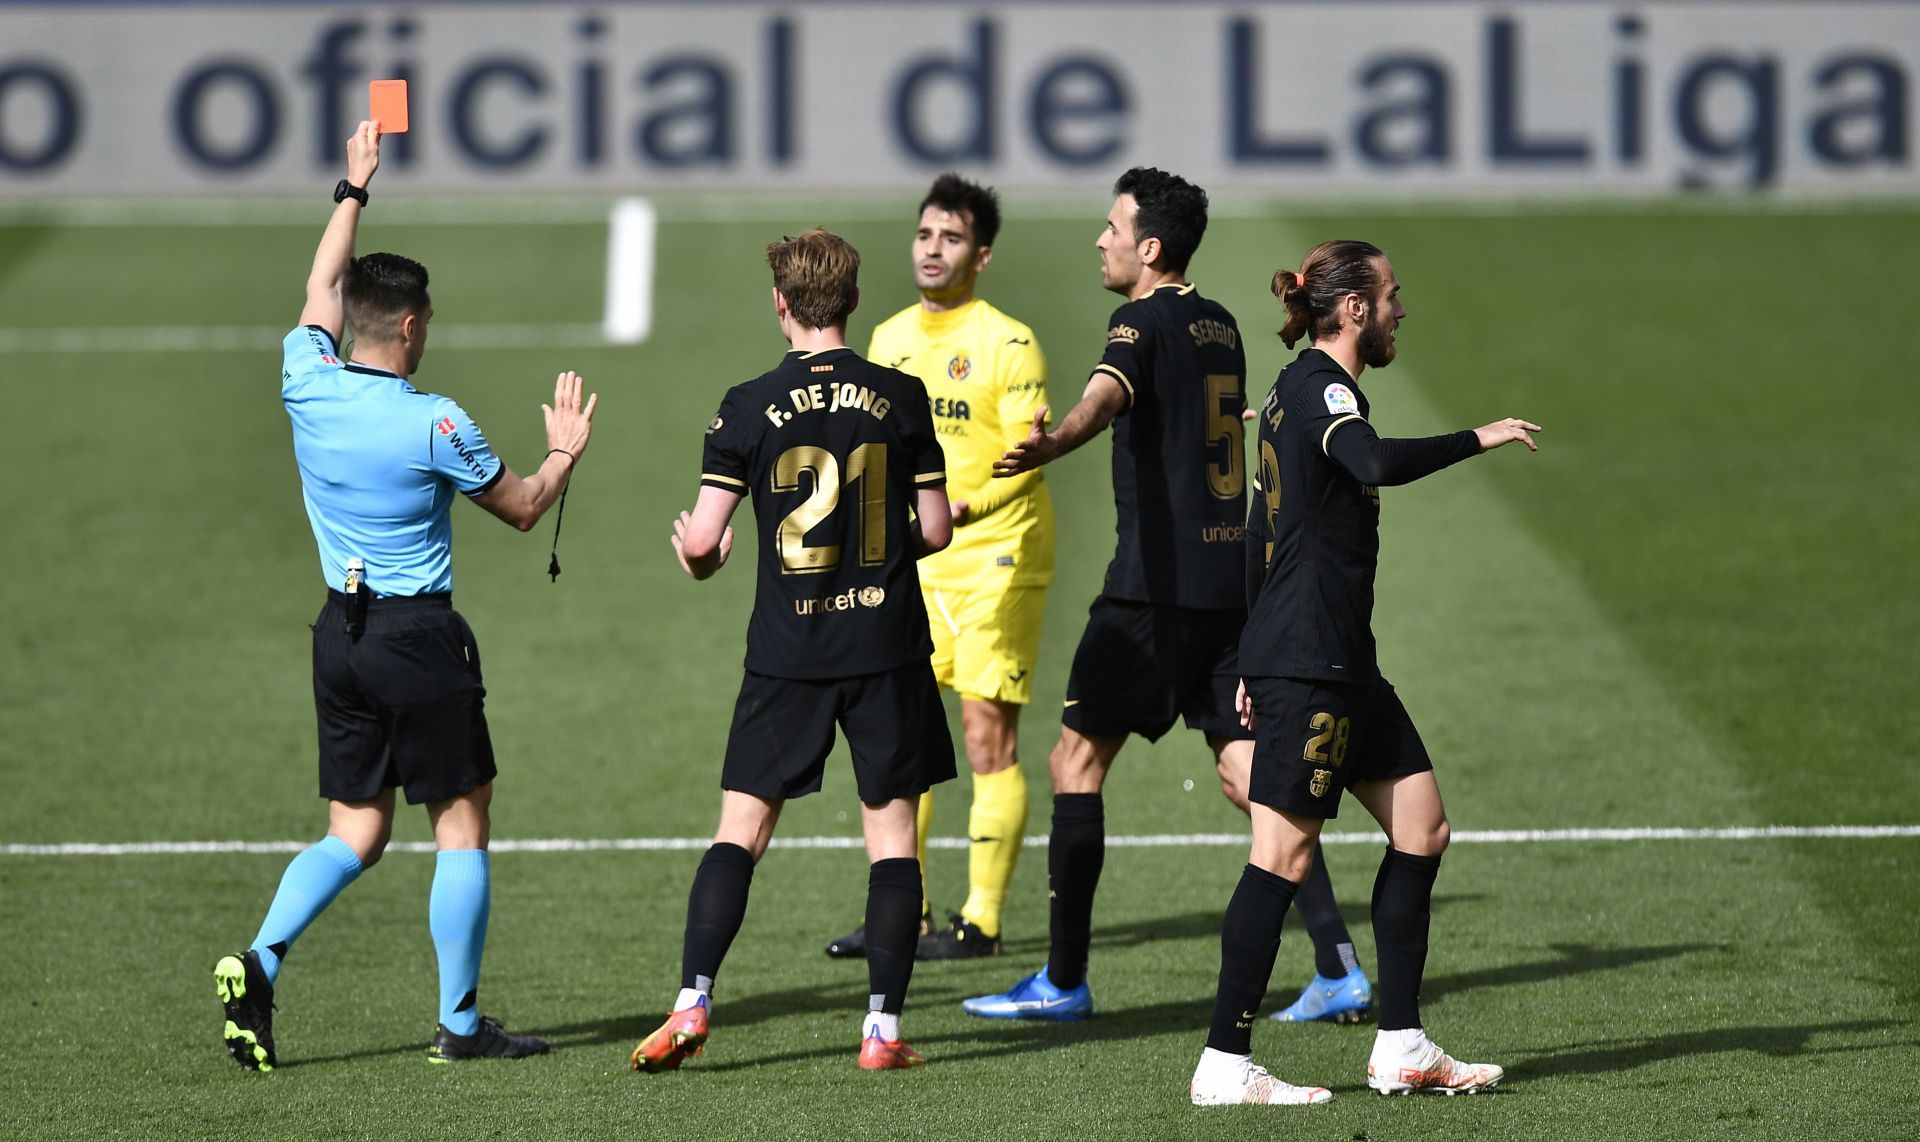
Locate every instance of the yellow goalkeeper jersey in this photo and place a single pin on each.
(985, 376)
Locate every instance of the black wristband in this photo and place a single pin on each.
(563, 452)
(346, 190)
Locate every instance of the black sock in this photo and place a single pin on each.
(1074, 855)
(1332, 944)
(1249, 939)
(1402, 909)
(715, 908)
(893, 930)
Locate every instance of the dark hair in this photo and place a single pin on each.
(980, 204)
(378, 291)
(1170, 209)
(819, 275)
(1311, 296)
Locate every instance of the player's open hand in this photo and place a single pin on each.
(569, 422)
(1243, 702)
(363, 153)
(679, 541)
(1506, 432)
(1031, 453)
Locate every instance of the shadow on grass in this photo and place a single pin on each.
(416, 1048)
(1608, 1055)
(998, 1038)
(1568, 960)
(1205, 924)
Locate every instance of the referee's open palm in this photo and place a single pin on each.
(569, 423)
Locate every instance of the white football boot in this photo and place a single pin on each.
(1232, 1080)
(1407, 1062)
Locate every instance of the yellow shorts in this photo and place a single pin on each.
(985, 642)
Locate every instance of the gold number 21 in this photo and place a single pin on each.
(866, 466)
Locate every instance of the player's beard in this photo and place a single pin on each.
(1376, 344)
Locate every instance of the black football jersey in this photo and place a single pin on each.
(1179, 466)
(832, 449)
(1315, 530)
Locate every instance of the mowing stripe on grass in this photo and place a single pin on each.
(1147, 841)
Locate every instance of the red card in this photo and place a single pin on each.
(388, 98)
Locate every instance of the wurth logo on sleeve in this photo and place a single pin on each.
(445, 427)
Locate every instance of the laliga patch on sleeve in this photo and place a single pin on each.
(1340, 399)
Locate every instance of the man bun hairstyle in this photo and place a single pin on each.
(980, 204)
(819, 275)
(1170, 209)
(1311, 296)
(378, 291)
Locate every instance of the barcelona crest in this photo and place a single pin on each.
(1322, 778)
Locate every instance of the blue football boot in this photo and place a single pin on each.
(1348, 999)
(1034, 997)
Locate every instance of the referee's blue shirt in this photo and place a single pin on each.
(379, 463)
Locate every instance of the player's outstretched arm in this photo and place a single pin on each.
(1366, 457)
(1506, 432)
(701, 538)
(522, 501)
(324, 306)
(1103, 400)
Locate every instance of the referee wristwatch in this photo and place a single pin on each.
(347, 190)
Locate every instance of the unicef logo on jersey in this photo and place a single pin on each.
(960, 368)
(872, 596)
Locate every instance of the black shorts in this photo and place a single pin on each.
(402, 704)
(1141, 665)
(783, 731)
(1315, 739)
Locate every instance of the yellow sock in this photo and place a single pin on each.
(922, 824)
(996, 825)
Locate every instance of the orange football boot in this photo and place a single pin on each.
(877, 1054)
(682, 1035)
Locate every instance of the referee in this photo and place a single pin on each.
(396, 672)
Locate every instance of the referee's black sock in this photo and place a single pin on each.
(1074, 857)
(1249, 939)
(715, 908)
(1402, 910)
(1332, 944)
(893, 930)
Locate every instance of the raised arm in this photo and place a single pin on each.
(324, 306)
(1104, 399)
(521, 501)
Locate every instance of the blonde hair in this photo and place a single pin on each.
(819, 275)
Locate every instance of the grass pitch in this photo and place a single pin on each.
(1695, 607)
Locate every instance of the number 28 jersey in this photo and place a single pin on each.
(832, 450)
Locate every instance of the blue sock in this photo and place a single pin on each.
(457, 913)
(310, 883)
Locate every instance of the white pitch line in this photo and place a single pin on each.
(265, 338)
(630, 232)
(1159, 840)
